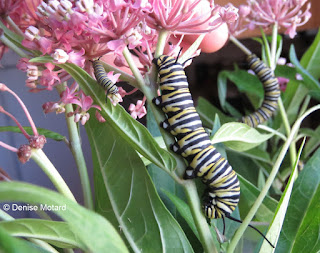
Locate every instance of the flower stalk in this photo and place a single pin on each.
(45, 164)
(75, 146)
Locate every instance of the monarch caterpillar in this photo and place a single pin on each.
(271, 92)
(105, 82)
(193, 143)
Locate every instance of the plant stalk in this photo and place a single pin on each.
(45, 164)
(12, 46)
(75, 146)
(285, 120)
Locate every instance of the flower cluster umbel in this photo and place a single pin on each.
(288, 14)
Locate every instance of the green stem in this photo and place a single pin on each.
(162, 39)
(304, 105)
(189, 185)
(269, 181)
(198, 217)
(242, 47)
(284, 116)
(286, 124)
(14, 27)
(75, 146)
(45, 164)
(13, 46)
(274, 46)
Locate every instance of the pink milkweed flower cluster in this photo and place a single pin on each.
(284, 13)
(79, 31)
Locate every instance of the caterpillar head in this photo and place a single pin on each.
(163, 60)
(210, 206)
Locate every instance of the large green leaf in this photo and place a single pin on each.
(311, 58)
(131, 130)
(47, 133)
(300, 231)
(55, 232)
(142, 217)
(239, 136)
(9, 244)
(207, 113)
(93, 231)
(249, 194)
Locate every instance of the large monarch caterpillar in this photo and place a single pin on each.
(105, 82)
(193, 143)
(271, 92)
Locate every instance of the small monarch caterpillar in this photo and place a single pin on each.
(271, 95)
(105, 82)
(192, 142)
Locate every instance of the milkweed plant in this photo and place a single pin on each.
(141, 202)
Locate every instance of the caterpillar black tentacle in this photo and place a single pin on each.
(271, 89)
(193, 143)
(105, 82)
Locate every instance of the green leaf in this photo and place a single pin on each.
(313, 143)
(308, 80)
(239, 136)
(285, 71)
(41, 59)
(15, 38)
(207, 113)
(222, 88)
(54, 232)
(131, 130)
(47, 133)
(300, 231)
(134, 202)
(184, 210)
(311, 58)
(13, 245)
(256, 154)
(245, 82)
(249, 194)
(93, 231)
(276, 225)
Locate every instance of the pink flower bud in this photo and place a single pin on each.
(60, 56)
(37, 141)
(32, 73)
(24, 153)
(32, 33)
